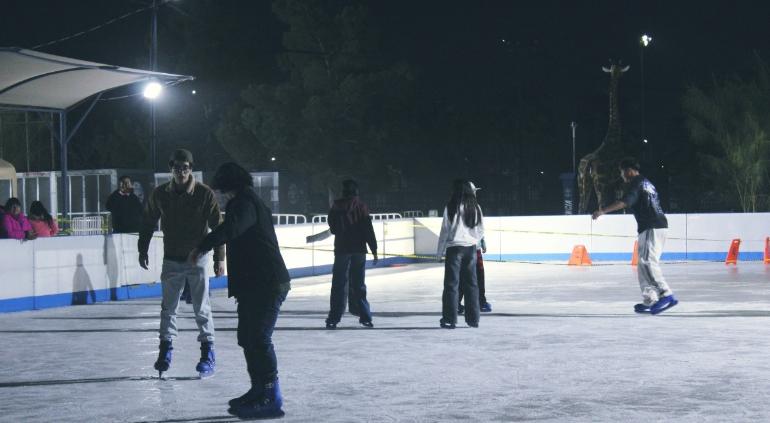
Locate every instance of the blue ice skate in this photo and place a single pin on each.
(205, 367)
(664, 304)
(266, 406)
(165, 352)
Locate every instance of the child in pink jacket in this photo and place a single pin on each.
(15, 224)
(43, 224)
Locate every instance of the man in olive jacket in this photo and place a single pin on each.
(258, 279)
(187, 209)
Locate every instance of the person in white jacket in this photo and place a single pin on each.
(461, 232)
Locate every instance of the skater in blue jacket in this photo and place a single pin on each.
(643, 200)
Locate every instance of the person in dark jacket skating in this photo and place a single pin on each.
(643, 200)
(258, 279)
(351, 225)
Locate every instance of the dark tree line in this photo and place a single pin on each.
(405, 98)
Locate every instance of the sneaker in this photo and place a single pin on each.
(486, 308)
(663, 304)
(641, 308)
(331, 325)
(446, 325)
(368, 324)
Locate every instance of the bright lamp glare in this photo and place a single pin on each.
(152, 90)
(646, 40)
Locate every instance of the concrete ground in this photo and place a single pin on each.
(561, 344)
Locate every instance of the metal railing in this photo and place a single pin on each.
(289, 219)
(386, 216)
(412, 213)
(319, 218)
(84, 223)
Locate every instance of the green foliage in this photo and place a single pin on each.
(730, 123)
(339, 110)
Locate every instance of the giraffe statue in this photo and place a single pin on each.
(598, 170)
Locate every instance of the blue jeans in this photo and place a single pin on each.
(348, 279)
(460, 266)
(256, 321)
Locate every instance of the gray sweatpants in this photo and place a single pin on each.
(651, 282)
(173, 277)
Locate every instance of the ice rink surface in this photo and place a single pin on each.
(562, 344)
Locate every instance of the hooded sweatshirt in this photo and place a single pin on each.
(454, 233)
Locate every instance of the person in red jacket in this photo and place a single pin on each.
(351, 225)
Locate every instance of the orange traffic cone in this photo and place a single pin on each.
(767, 250)
(732, 253)
(579, 256)
(635, 255)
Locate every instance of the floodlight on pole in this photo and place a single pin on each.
(152, 90)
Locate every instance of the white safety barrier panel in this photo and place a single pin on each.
(67, 270)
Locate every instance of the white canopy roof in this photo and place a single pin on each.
(30, 79)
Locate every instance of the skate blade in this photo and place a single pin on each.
(671, 304)
(205, 375)
(267, 416)
(162, 376)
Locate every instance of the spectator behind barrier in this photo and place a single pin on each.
(43, 224)
(125, 207)
(15, 224)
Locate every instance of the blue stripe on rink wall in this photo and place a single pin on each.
(151, 290)
(148, 290)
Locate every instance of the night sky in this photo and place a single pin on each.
(471, 55)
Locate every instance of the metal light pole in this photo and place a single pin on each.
(644, 41)
(153, 67)
(573, 125)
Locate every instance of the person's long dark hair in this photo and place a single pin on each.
(38, 209)
(13, 201)
(462, 193)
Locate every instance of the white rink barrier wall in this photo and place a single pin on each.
(52, 272)
(610, 238)
(72, 270)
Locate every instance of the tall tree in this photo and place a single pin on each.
(729, 122)
(341, 109)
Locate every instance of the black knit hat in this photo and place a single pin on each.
(181, 155)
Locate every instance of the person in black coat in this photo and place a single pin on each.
(258, 279)
(125, 208)
(351, 225)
